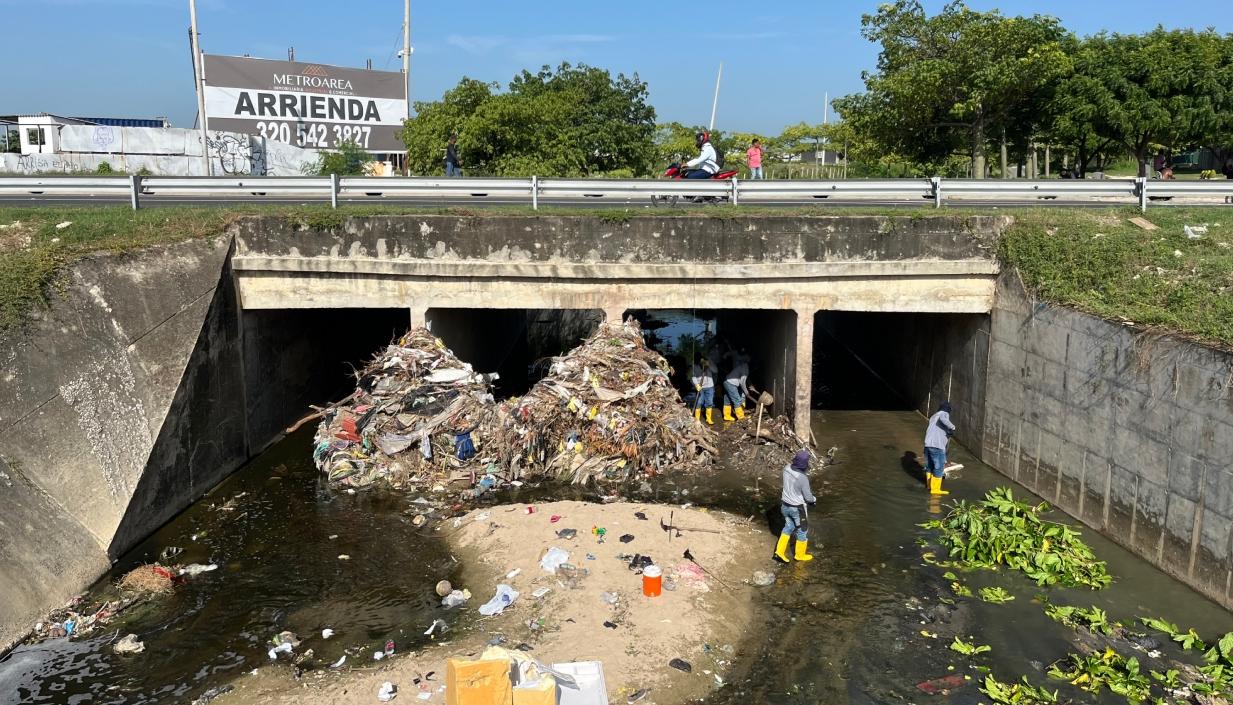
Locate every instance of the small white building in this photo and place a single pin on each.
(40, 134)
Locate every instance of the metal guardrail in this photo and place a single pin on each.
(536, 190)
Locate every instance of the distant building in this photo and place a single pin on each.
(40, 134)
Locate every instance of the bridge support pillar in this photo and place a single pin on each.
(419, 316)
(803, 373)
(614, 314)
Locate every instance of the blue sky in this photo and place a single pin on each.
(130, 57)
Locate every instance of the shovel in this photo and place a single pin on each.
(764, 400)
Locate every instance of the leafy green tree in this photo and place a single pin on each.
(12, 141)
(1080, 101)
(1166, 87)
(349, 159)
(574, 121)
(951, 82)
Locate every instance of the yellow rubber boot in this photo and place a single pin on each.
(740, 412)
(728, 413)
(781, 549)
(935, 486)
(710, 416)
(697, 414)
(802, 551)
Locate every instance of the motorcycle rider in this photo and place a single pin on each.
(707, 164)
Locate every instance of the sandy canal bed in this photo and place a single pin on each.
(704, 620)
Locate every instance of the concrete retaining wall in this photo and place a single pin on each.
(93, 391)
(1132, 434)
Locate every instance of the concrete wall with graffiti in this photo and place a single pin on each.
(162, 152)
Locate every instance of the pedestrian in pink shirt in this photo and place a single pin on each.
(754, 156)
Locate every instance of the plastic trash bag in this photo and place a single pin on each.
(553, 559)
(504, 598)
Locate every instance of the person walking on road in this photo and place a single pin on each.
(453, 167)
(754, 159)
(795, 502)
(937, 435)
(703, 377)
(736, 387)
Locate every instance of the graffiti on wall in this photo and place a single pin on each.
(34, 163)
(237, 155)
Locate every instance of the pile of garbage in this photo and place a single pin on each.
(605, 410)
(415, 414)
(419, 415)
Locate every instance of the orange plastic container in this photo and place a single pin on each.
(652, 581)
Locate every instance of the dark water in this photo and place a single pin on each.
(844, 628)
(278, 569)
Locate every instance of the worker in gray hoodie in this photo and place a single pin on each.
(794, 503)
(937, 435)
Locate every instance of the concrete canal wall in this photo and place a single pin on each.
(1129, 432)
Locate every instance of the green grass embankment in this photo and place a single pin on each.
(1094, 260)
(1101, 263)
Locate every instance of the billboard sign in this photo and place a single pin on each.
(312, 106)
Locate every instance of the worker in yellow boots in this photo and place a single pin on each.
(937, 435)
(794, 503)
(736, 387)
(703, 377)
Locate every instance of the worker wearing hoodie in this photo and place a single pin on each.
(794, 503)
(703, 378)
(937, 434)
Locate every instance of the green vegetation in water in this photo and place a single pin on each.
(1094, 620)
(1094, 672)
(1189, 640)
(1021, 693)
(996, 595)
(1001, 531)
(969, 648)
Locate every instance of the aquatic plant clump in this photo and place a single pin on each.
(1001, 531)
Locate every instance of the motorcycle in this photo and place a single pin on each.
(677, 171)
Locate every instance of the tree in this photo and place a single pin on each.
(1166, 87)
(574, 121)
(1079, 102)
(951, 82)
(349, 159)
(12, 141)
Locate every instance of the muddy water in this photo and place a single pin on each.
(269, 530)
(844, 628)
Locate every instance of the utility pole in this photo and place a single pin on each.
(406, 53)
(199, 80)
(715, 103)
(826, 119)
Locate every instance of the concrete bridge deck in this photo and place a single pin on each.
(793, 264)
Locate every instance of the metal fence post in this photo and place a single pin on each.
(534, 193)
(134, 190)
(736, 191)
(333, 190)
(1141, 187)
(937, 191)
